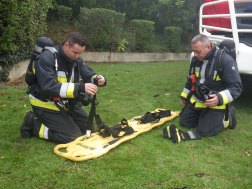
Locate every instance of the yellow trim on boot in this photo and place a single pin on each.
(41, 131)
(177, 133)
(168, 131)
(226, 124)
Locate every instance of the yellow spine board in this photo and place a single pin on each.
(83, 149)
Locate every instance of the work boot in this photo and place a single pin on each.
(26, 129)
(231, 110)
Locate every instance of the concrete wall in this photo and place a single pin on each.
(21, 67)
(133, 57)
(18, 70)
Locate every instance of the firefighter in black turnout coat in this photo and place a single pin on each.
(207, 99)
(59, 79)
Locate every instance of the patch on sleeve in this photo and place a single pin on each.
(233, 68)
(84, 63)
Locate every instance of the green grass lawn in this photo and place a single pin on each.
(147, 161)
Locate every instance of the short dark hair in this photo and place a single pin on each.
(76, 38)
(202, 38)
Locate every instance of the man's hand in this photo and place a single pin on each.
(214, 101)
(91, 88)
(182, 102)
(101, 80)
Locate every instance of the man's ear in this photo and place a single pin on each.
(209, 47)
(66, 44)
(65, 47)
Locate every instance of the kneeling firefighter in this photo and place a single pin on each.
(213, 83)
(59, 81)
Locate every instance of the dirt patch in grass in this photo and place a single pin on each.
(15, 82)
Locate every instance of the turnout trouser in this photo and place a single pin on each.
(53, 126)
(208, 122)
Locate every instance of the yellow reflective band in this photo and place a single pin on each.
(42, 104)
(200, 105)
(219, 107)
(62, 79)
(197, 74)
(192, 100)
(227, 124)
(168, 131)
(70, 90)
(177, 133)
(33, 70)
(224, 97)
(183, 94)
(41, 131)
(217, 79)
(203, 105)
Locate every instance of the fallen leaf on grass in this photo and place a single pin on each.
(156, 95)
(247, 154)
(4, 105)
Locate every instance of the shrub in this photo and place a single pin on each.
(101, 27)
(21, 22)
(172, 38)
(64, 13)
(143, 34)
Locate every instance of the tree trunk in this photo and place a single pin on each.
(195, 30)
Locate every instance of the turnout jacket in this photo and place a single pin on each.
(64, 84)
(225, 84)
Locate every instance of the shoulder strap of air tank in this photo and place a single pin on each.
(213, 62)
(55, 52)
(52, 49)
(192, 66)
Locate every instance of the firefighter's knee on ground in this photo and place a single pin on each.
(184, 123)
(207, 132)
(71, 137)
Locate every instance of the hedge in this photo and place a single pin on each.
(101, 28)
(172, 38)
(143, 34)
(21, 22)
